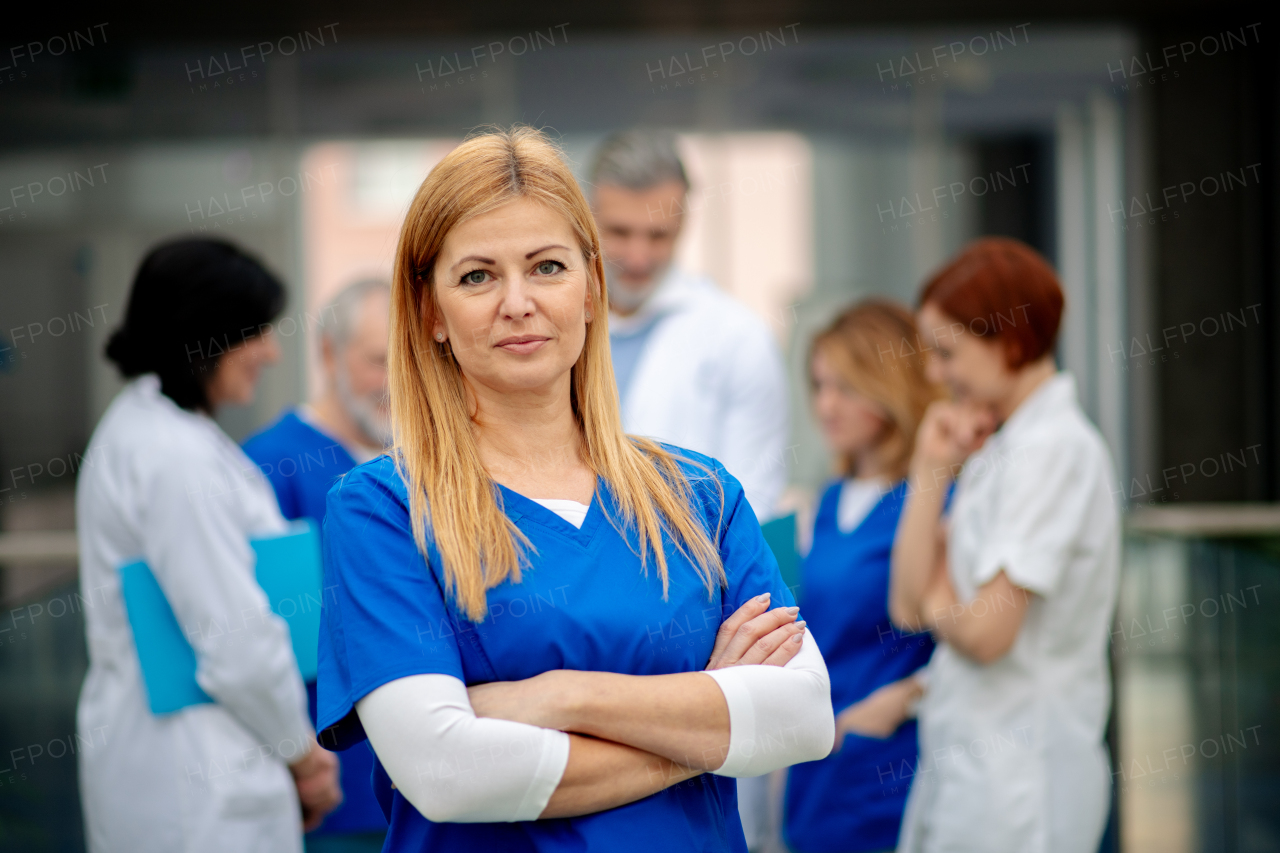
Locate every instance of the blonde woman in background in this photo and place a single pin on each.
(524, 597)
(869, 394)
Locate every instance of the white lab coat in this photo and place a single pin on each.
(167, 485)
(1011, 753)
(710, 379)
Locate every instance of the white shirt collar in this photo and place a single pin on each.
(1055, 396)
(148, 387)
(669, 296)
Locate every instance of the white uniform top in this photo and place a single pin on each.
(1011, 753)
(711, 379)
(167, 485)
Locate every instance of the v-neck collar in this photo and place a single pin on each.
(518, 506)
(876, 508)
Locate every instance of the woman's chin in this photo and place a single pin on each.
(245, 397)
(840, 443)
(533, 379)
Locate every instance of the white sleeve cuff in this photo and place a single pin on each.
(453, 766)
(547, 775)
(778, 716)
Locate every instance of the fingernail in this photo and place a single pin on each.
(801, 624)
(763, 599)
(793, 610)
(797, 639)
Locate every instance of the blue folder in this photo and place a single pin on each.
(780, 535)
(288, 570)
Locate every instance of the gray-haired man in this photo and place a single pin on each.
(353, 353)
(302, 454)
(695, 367)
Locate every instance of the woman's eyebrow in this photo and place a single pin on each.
(544, 248)
(489, 261)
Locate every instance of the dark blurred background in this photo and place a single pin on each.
(1134, 143)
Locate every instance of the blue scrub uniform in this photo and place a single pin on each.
(853, 799)
(302, 463)
(584, 604)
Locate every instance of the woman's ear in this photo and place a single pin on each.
(589, 306)
(429, 315)
(1013, 358)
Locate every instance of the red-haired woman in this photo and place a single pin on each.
(1019, 586)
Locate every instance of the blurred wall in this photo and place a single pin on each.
(191, 152)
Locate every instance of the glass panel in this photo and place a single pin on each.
(1196, 649)
(42, 664)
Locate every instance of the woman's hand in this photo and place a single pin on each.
(315, 776)
(880, 714)
(948, 435)
(754, 634)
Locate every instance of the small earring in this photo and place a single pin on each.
(440, 337)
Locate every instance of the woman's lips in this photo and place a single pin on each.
(524, 344)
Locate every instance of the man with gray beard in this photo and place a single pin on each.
(302, 454)
(694, 366)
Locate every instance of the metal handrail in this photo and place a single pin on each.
(38, 546)
(1213, 520)
(1208, 520)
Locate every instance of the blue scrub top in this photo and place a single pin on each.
(584, 604)
(853, 799)
(302, 463)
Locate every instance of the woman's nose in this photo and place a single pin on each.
(517, 299)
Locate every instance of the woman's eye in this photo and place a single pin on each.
(475, 277)
(549, 267)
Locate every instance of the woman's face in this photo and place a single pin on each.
(850, 422)
(235, 377)
(511, 287)
(972, 367)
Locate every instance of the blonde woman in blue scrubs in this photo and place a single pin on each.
(554, 635)
(868, 400)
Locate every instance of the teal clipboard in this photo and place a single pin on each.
(167, 659)
(780, 536)
(289, 571)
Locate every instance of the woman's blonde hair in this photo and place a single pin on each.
(874, 347)
(450, 493)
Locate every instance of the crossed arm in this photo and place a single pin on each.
(626, 737)
(922, 598)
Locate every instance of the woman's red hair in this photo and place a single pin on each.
(1000, 287)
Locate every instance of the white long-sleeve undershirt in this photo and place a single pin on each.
(456, 767)
(778, 715)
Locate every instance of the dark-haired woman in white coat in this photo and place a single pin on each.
(167, 485)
